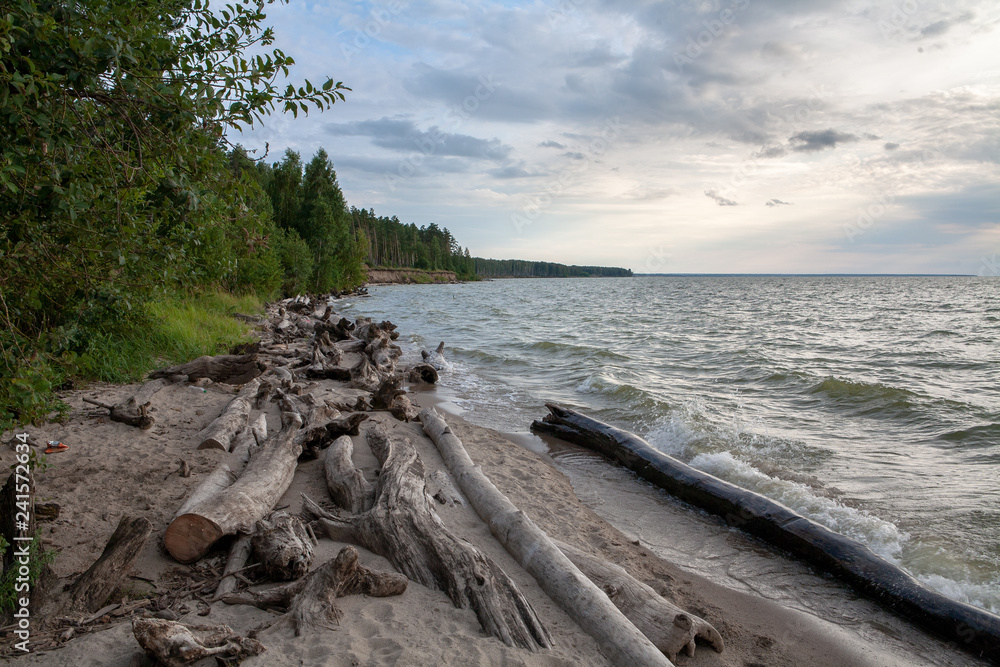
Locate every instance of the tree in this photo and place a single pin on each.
(113, 177)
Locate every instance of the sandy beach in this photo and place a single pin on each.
(111, 469)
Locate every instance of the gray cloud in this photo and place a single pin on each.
(807, 142)
(552, 144)
(777, 202)
(890, 146)
(719, 199)
(771, 151)
(938, 28)
(404, 136)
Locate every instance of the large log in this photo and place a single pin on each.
(971, 628)
(239, 507)
(91, 591)
(176, 644)
(403, 527)
(223, 429)
(134, 410)
(347, 485)
(227, 368)
(310, 602)
(670, 628)
(617, 637)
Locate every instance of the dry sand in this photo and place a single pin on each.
(111, 469)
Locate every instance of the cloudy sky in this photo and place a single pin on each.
(829, 136)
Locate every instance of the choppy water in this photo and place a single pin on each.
(869, 404)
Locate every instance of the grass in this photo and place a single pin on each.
(173, 330)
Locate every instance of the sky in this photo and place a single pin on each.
(723, 136)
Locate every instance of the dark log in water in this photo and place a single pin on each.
(968, 628)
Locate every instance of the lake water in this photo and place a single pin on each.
(869, 404)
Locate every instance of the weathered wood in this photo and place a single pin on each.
(670, 628)
(176, 644)
(103, 578)
(134, 410)
(387, 391)
(973, 629)
(435, 358)
(17, 512)
(221, 432)
(227, 368)
(423, 373)
(311, 601)
(403, 527)
(239, 554)
(587, 604)
(364, 375)
(249, 499)
(348, 486)
(282, 547)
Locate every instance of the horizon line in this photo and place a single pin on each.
(822, 275)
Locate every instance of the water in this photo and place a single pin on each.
(869, 404)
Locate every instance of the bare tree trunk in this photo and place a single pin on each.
(239, 554)
(94, 586)
(587, 604)
(403, 527)
(221, 432)
(227, 368)
(346, 483)
(248, 500)
(670, 628)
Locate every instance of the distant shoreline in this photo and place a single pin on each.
(809, 275)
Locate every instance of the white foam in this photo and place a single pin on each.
(985, 596)
(882, 537)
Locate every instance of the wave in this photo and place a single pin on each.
(584, 351)
(982, 435)
(869, 399)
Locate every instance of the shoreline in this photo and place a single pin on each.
(120, 469)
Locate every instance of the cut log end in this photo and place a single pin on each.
(190, 536)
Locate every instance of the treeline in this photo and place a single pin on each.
(393, 244)
(519, 268)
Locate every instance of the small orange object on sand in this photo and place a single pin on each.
(56, 446)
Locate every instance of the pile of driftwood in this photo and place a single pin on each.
(327, 373)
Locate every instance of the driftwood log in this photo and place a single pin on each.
(134, 410)
(588, 605)
(423, 373)
(249, 499)
(177, 644)
(971, 628)
(239, 554)
(223, 429)
(435, 358)
(90, 592)
(282, 547)
(670, 628)
(227, 368)
(403, 527)
(230, 469)
(347, 485)
(319, 437)
(310, 602)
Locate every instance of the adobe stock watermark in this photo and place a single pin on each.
(788, 120)
(22, 543)
(657, 259)
(362, 39)
(989, 267)
(899, 19)
(535, 205)
(562, 11)
(714, 28)
(868, 216)
(430, 143)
